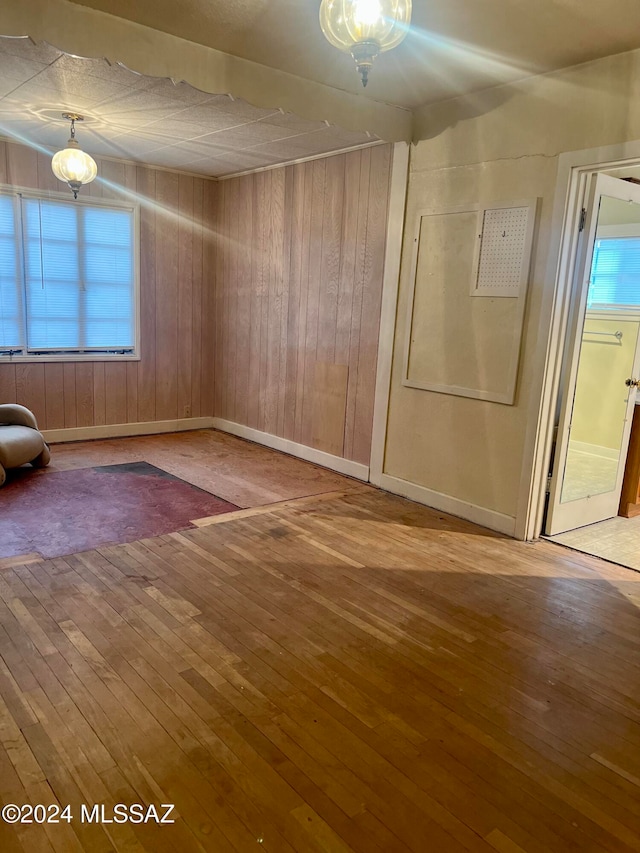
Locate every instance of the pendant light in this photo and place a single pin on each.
(365, 28)
(72, 165)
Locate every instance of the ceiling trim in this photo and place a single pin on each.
(301, 160)
(218, 178)
(85, 32)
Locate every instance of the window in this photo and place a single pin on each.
(67, 279)
(615, 274)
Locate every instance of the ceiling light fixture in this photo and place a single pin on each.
(365, 28)
(72, 165)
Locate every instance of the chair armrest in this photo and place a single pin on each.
(13, 414)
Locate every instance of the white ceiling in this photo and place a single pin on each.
(146, 119)
(454, 46)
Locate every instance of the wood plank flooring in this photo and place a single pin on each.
(351, 672)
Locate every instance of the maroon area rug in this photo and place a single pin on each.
(63, 512)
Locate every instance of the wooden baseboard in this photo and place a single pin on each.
(446, 503)
(56, 436)
(630, 511)
(309, 454)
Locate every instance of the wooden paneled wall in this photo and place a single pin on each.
(174, 378)
(299, 270)
(270, 284)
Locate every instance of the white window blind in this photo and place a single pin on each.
(615, 273)
(67, 278)
(11, 311)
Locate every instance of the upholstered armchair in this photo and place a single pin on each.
(20, 440)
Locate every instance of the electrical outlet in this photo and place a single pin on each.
(187, 411)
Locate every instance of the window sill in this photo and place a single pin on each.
(91, 357)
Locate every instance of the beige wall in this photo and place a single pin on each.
(601, 396)
(173, 378)
(498, 145)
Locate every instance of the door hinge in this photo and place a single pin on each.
(583, 219)
(548, 492)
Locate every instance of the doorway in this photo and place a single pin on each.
(599, 381)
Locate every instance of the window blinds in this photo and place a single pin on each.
(67, 277)
(11, 312)
(615, 273)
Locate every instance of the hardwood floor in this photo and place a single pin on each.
(346, 672)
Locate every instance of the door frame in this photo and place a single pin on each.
(574, 169)
(588, 509)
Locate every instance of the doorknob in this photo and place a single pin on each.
(632, 383)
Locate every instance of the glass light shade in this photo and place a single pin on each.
(74, 166)
(365, 28)
(348, 22)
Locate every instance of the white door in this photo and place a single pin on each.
(598, 390)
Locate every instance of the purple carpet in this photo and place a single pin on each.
(68, 511)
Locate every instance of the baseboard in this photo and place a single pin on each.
(309, 454)
(595, 450)
(56, 436)
(445, 503)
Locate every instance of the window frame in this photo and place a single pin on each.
(87, 355)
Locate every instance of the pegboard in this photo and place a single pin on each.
(503, 249)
